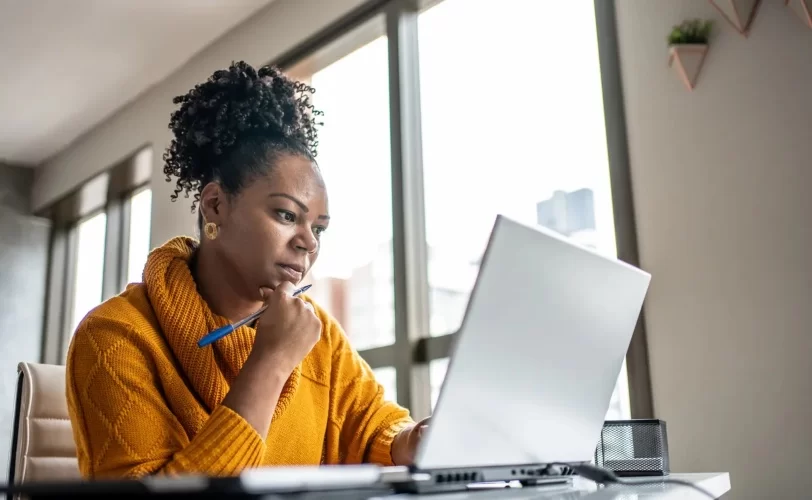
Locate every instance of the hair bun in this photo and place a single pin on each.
(235, 104)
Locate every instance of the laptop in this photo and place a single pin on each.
(531, 375)
(535, 361)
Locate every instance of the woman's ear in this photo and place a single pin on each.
(213, 203)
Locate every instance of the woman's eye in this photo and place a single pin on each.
(286, 216)
(318, 231)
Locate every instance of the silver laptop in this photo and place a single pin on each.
(536, 359)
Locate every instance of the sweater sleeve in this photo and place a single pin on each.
(122, 425)
(367, 423)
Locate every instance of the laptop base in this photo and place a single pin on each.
(468, 478)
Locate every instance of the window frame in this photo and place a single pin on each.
(71, 271)
(126, 221)
(620, 179)
(414, 348)
(107, 192)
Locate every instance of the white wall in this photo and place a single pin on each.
(266, 35)
(23, 264)
(722, 179)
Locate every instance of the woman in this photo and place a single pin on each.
(144, 398)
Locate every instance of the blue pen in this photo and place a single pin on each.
(221, 332)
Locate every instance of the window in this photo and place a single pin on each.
(537, 154)
(619, 408)
(516, 123)
(139, 234)
(504, 121)
(387, 377)
(353, 277)
(437, 371)
(89, 272)
(100, 241)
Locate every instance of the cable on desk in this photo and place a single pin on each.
(604, 476)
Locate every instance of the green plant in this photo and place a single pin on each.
(690, 31)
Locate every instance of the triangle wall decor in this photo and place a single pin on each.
(687, 59)
(738, 13)
(803, 8)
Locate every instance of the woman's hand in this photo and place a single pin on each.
(287, 330)
(404, 446)
(286, 333)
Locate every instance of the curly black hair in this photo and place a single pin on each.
(232, 126)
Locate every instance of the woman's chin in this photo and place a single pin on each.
(277, 282)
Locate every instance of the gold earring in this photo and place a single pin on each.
(211, 230)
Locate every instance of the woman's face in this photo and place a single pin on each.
(269, 232)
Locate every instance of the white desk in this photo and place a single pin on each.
(715, 483)
(582, 489)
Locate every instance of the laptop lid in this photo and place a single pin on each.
(537, 355)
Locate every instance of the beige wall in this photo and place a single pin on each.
(272, 31)
(722, 179)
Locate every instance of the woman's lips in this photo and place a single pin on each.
(294, 274)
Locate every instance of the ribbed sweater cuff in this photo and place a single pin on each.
(380, 451)
(225, 445)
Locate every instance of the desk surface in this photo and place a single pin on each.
(655, 489)
(716, 484)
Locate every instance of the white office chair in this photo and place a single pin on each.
(42, 446)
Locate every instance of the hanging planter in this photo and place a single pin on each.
(687, 48)
(803, 8)
(738, 13)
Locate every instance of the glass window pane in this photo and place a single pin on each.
(437, 371)
(619, 406)
(140, 223)
(353, 277)
(87, 284)
(524, 138)
(387, 377)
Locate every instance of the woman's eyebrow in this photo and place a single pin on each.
(291, 198)
(298, 202)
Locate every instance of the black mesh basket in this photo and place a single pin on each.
(633, 448)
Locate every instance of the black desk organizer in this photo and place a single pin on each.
(634, 447)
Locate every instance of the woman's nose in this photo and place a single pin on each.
(307, 241)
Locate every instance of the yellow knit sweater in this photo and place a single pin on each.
(144, 399)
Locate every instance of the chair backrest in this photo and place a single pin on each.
(42, 447)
